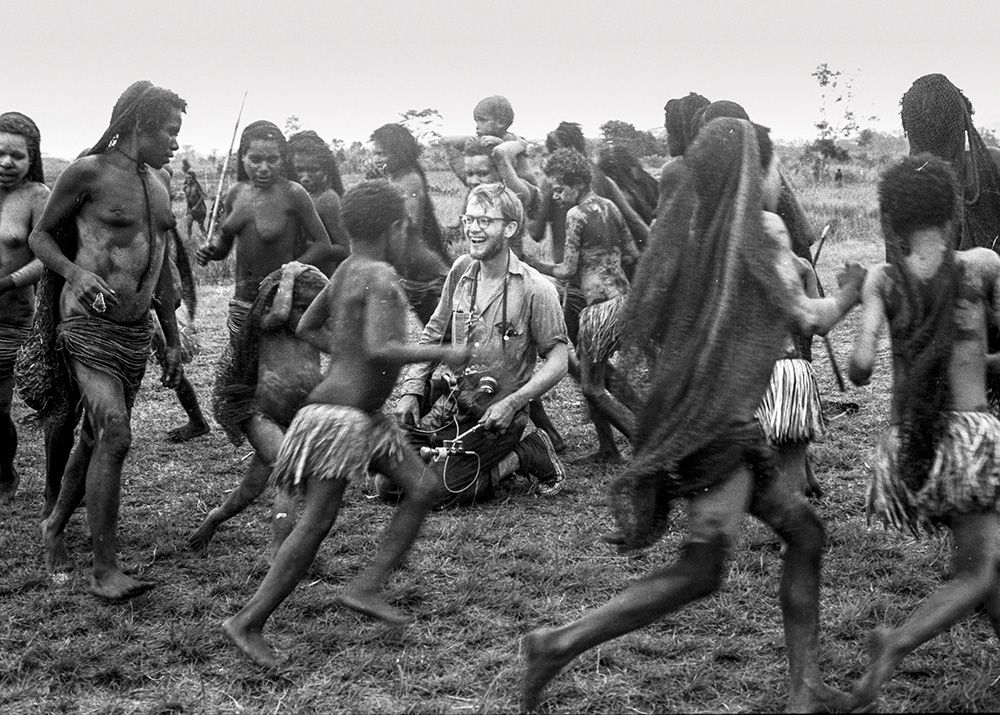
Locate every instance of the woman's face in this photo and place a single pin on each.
(15, 160)
(380, 158)
(310, 172)
(262, 161)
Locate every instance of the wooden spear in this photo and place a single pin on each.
(225, 168)
(828, 231)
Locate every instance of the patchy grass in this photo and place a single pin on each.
(477, 580)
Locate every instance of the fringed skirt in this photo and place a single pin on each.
(600, 329)
(791, 410)
(113, 348)
(964, 479)
(334, 442)
(239, 311)
(11, 339)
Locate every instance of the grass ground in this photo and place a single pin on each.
(477, 580)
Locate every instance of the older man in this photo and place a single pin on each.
(508, 314)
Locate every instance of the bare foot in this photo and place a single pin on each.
(864, 695)
(116, 586)
(818, 699)
(371, 605)
(188, 431)
(57, 560)
(9, 486)
(601, 456)
(541, 664)
(200, 537)
(251, 642)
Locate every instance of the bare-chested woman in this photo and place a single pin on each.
(316, 169)
(424, 263)
(22, 198)
(268, 219)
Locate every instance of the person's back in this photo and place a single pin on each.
(604, 245)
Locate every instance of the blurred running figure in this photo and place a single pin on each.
(716, 292)
(938, 464)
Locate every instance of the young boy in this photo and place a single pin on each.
(938, 464)
(597, 244)
(359, 320)
(260, 385)
(493, 117)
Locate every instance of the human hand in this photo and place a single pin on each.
(456, 356)
(852, 276)
(205, 254)
(172, 369)
(488, 141)
(408, 410)
(90, 291)
(499, 415)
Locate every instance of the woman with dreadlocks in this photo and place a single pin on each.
(682, 120)
(104, 233)
(260, 385)
(269, 219)
(639, 186)
(714, 294)
(316, 169)
(423, 267)
(938, 464)
(22, 196)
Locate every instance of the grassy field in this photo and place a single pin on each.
(477, 580)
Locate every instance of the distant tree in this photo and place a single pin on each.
(424, 124)
(292, 125)
(865, 137)
(639, 143)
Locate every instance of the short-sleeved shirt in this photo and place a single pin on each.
(596, 235)
(534, 323)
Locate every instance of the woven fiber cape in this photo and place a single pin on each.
(708, 301)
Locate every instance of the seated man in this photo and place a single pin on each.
(509, 315)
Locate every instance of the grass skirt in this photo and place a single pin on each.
(334, 442)
(239, 311)
(11, 338)
(965, 477)
(600, 329)
(791, 410)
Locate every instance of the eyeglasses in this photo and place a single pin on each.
(484, 222)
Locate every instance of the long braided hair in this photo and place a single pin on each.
(682, 119)
(937, 118)
(22, 125)
(309, 142)
(624, 169)
(918, 192)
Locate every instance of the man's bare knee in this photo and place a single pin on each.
(702, 564)
(800, 526)
(114, 435)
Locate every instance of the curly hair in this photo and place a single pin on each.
(569, 167)
(267, 131)
(568, 135)
(918, 192)
(22, 125)
(142, 106)
(370, 208)
(495, 107)
(309, 142)
(401, 148)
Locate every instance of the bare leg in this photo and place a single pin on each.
(785, 509)
(265, 435)
(362, 594)
(58, 447)
(9, 478)
(196, 425)
(621, 388)
(106, 408)
(813, 487)
(696, 574)
(322, 503)
(604, 409)
(977, 554)
(536, 410)
(66, 501)
(282, 520)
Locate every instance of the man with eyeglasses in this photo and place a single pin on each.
(472, 423)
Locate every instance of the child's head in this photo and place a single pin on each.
(569, 172)
(373, 210)
(263, 154)
(917, 192)
(493, 116)
(568, 135)
(479, 165)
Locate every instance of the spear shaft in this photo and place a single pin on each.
(225, 168)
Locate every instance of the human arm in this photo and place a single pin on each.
(500, 414)
(164, 307)
(812, 316)
(414, 195)
(454, 147)
(312, 326)
(504, 155)
(536, 224)
(872, 315)
(328, 208)
(218, 247)
(571, 250)
(71, 191)
(319, 251)
(607, 187)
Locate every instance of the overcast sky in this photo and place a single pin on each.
(345, 68)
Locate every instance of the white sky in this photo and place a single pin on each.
(345, 68)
